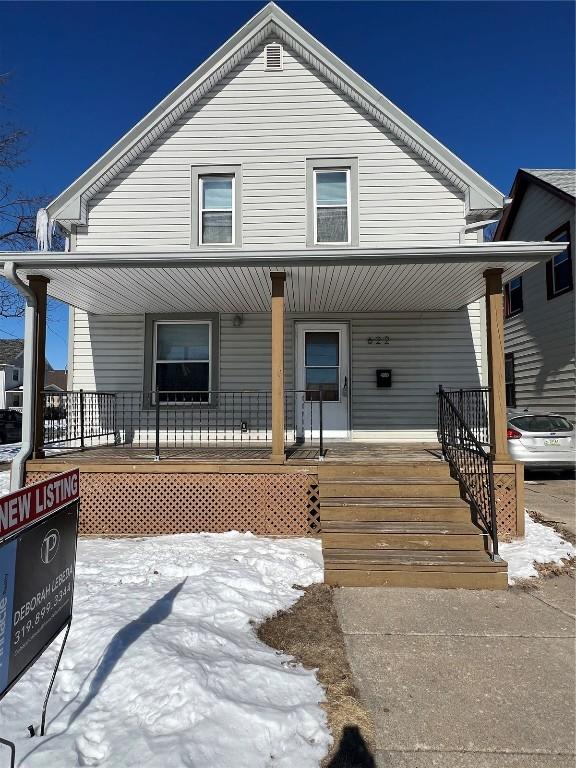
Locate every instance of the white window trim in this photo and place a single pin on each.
(315, 172)
(201, 210)
(155, 359)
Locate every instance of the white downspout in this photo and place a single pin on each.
(29, 379)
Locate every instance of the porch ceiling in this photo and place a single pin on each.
(385, 280)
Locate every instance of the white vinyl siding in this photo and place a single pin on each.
(425, 350)
(269, 122)
(543, 336)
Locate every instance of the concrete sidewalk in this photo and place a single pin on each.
(553, 497)
(466, 679)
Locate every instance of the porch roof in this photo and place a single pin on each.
(392, 279)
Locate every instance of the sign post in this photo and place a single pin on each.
(38, 537)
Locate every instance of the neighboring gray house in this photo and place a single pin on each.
(539, 305)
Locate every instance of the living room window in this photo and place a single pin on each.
(181, 358)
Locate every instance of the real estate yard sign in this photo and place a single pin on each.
(38, 534)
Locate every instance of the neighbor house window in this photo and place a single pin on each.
(509, 379)
(15, 375)
(513, 301)
(216, 217)
(332, 206)
(332, 201)
(559, 274)
(182, 360)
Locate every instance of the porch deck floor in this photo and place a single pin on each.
(344, 452)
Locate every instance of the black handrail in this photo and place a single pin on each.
(174, 419)
(469, 461)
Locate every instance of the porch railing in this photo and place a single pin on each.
(463, 448)
(473, 405)
(159, 420)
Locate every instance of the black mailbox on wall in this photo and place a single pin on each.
(383, 377)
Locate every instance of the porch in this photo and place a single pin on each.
(212, 458)
(317, 447)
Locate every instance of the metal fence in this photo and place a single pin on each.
(179, 419)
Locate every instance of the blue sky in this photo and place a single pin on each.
(494, 81)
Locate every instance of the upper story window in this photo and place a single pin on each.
(15, 374)
(216, 217)
(332, 206)
(513, 299)
(332, 201)
(559, 273)
(216, 206)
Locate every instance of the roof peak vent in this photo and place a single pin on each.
(273, 55)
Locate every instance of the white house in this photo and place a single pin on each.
(270, 276)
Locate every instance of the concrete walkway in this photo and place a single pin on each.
(553, 497)
(465, 679)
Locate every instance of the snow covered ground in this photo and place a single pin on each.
(541, 544)
(4, 484)
(8, 451)
(162, 667)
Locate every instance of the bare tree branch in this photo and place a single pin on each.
(17, 209)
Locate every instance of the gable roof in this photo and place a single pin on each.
(563, 179)
(560, 182)
(71, 205)
(10, 350)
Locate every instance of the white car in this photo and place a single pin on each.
(545, 440)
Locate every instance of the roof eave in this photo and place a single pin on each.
(481, 252)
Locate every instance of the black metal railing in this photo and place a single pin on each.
(473, 404)
(304, 419)
(470, 462)
(78, 417)
(175, 419)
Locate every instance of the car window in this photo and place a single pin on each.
(542, 423)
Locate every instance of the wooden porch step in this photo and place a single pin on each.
(336, 470)
(389, 509)
(403, 487)
(428, 526)
(395, 535)
(413, 568)
(471, 560)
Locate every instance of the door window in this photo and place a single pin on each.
(322, 365)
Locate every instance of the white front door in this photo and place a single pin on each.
(322, 364)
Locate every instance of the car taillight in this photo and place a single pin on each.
(512, 434)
